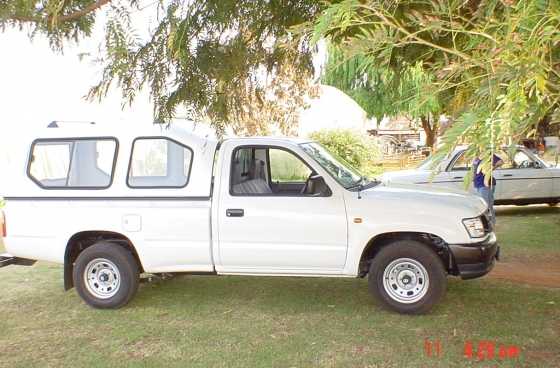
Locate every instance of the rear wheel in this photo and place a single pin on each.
(106, 275)
(408, 277)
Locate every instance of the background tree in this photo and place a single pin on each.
(497, 60)
(383, 91)
(231, 62)
(357, 149)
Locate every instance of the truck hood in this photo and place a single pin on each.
(405, 176)
(415, 200)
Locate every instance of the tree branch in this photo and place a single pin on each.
(24, 18)
(80, 13)
(394, 24)
(63, 18)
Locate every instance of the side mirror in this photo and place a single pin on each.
(318, 187)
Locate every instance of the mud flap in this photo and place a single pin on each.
(7, 259)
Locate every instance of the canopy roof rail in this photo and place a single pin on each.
(54, 123)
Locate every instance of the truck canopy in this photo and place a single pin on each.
(90, 166)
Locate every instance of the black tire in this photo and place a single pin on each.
(126, 266)
(393, 256)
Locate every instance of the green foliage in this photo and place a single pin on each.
(58, 20)
(381, 90)
(495, 64)
(358, 150)
(222, 59)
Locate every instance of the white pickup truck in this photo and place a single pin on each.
(111, 204)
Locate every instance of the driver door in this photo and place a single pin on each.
(521, 177)
(454, 174)
(456, 171)
(274, 226)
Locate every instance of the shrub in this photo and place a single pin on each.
(357, 149)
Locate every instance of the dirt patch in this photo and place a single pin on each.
(542, 273)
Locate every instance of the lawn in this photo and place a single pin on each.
(198, 321)
(529, 231)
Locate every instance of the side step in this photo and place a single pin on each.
(7, 259)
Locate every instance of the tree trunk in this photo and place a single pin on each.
(430, 131)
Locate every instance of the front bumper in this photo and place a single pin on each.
(476, 259)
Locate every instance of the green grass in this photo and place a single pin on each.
(529, 231)
(198, 321)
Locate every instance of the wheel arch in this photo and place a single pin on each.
(375, 244)
(84, 239)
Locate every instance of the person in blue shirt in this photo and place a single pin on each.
(486, 188)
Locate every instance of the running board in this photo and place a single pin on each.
(7, 259)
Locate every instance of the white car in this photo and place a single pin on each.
(523, 179)
(110, 204)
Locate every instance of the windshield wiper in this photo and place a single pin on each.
(358, 184)
(373, 181)
(363, 183)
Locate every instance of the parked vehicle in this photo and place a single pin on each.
(110, 205)
(523, 179)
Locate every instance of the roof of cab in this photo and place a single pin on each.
(271, 139)
(463, 147)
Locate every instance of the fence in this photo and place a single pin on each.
(402, 161)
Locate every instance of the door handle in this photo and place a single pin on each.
(507, 175)
(235, 212)
(458, 177)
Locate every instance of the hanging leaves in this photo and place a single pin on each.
(495, 65)
(232, 63)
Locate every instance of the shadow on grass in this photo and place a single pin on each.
(206, 295)
(307, 295)
(267, 293)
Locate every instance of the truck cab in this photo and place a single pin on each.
(111, 204)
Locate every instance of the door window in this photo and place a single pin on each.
(519, 160)
(522, 160)
(461, 163)
(285, 167)
(273, 171)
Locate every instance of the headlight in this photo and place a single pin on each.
(474, 227)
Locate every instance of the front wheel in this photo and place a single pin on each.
(408, 277)
(106, 275)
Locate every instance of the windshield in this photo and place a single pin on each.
(545, 163)
(432, 163)
(339, 169)
(427, 163)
